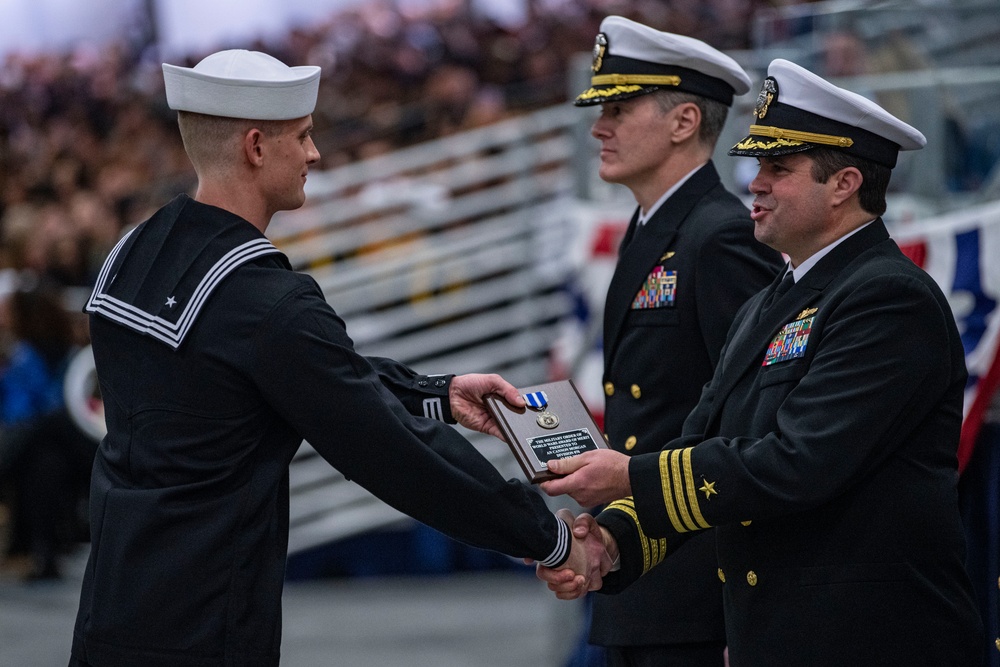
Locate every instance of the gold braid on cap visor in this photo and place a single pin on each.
(635, 79)
(607, 92)
(807, 137)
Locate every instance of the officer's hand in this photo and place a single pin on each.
(588, 562)
(593, 478)
(466, 397)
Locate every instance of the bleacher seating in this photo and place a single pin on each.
(455, 255)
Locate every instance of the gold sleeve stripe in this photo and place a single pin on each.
(692, 492)
(653, 551)
(623, 504)
(658, 551)
(679, 487)
(634, 79)
(796, 135)
(668, 493)
(626, 505)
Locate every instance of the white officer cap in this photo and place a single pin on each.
(631, 59)
(797, 110)
(243, 84)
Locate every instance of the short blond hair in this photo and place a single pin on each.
(211, 141)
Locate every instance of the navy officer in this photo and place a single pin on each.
(687, 264)
(823, 450)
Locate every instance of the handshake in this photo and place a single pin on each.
(592, 478)
(592, 555)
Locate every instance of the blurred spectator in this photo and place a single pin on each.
(846, 54)
(44, 460)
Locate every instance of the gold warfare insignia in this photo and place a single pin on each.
(708, 488)
(667, 256)
(768, 93)
(600, 48)
(806, 313)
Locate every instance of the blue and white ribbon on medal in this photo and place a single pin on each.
(537, 400)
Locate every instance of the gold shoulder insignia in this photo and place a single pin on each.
(806, 313)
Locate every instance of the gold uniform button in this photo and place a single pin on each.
(630, 442)
(745, 523)
(752, 578)
(998, 644)
(636, 392)
(722, 576)
(609, 389)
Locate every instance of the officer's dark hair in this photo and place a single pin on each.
(875, 176)
(713, 112)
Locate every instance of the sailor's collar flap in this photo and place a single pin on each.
(158, 277)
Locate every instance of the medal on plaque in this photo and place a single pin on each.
(539, 402)
(553, 424)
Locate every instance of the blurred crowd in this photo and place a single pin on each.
(88, 146)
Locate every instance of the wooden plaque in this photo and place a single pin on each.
(563, 428)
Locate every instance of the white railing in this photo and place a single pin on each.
(450, 257)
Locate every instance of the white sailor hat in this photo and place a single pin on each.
(631, 59)
(243, 84)
(797, 110)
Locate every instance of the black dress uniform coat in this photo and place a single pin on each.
(680, 279)
(824, 450)
(215, 360)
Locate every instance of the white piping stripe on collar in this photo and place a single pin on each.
(562, 543)
(102, 276)
(146, 323)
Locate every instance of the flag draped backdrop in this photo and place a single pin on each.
(961, 252)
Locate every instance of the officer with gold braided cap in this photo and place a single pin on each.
(797, 111)
(631, 59)
(822, 453)
(687, 263)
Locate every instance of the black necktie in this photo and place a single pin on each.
(635, 231)
(785, 285)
